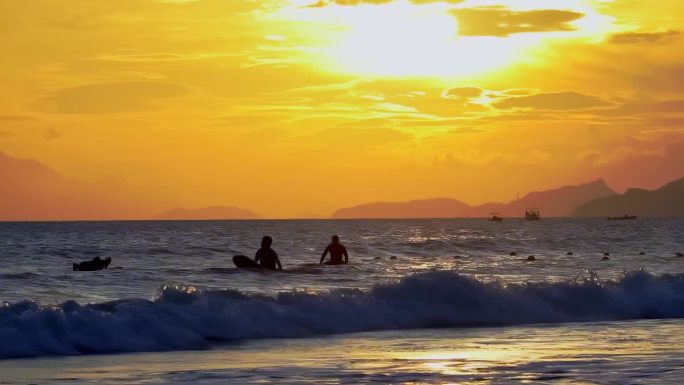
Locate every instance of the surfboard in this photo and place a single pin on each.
(242, 261)
(93, 265)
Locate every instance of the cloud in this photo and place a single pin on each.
(461, 92)
(109, 98)
(162, 57)
(553, 101)
(436, 1)
(628, 109)
(667, 122)
(498, 21)
(15, 118)
(51, 134)
(373, 123)
(356, 139)
(325, 3)
(668, 77)
(644, 37)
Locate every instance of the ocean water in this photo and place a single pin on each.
(422, 301)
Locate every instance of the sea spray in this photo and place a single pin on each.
(189, 318)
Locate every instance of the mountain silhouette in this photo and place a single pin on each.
(423, 208)
(208, 213)
(32, 191)
(666, 201)
(558, 202)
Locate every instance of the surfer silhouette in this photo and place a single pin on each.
(266, 256)
(336, 250)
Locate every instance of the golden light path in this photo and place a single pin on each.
(421, 39)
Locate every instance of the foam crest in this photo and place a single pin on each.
(188, 318)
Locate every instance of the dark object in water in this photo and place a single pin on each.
(605, 258)
(393, 257)
(495, 217)
(95, 264)
(606, 254)
(457, 257)
(532, 214)
(242, 261)
(679, 255)
(642, 253)
(569, 253)
(531, 258)
(377, 258)
(513, 254)
(622, 218)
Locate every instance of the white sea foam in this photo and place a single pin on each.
(186, 318)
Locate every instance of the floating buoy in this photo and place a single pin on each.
(513, 254)
(531, 258)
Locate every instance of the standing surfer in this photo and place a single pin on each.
(336, 250)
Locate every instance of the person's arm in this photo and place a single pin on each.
(257, 256)
(327, 248)
(280, 267)
(346, 256)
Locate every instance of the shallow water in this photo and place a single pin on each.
(634, 352)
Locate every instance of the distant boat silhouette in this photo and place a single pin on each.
(623, 218)
(532, 214)
(495, 217)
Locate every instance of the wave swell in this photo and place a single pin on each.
(187, 318)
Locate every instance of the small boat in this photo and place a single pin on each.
(532, 214)
(623, 218)
(495, 217)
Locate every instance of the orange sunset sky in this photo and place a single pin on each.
(294, 108)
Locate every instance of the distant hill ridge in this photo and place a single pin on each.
(557, 202)
(32, 191)
(422, 208)
(666, 201)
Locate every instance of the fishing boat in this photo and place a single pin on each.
(622, 218)
(532, 214)
(495, 217)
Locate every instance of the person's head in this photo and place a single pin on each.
(335, 239)
(266, 241)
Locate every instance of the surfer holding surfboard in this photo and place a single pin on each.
(336, 250)
(265, 258)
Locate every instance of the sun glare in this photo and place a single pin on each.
(404, 38)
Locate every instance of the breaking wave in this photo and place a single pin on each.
(187, 318)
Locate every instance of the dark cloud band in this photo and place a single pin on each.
(498, 21)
